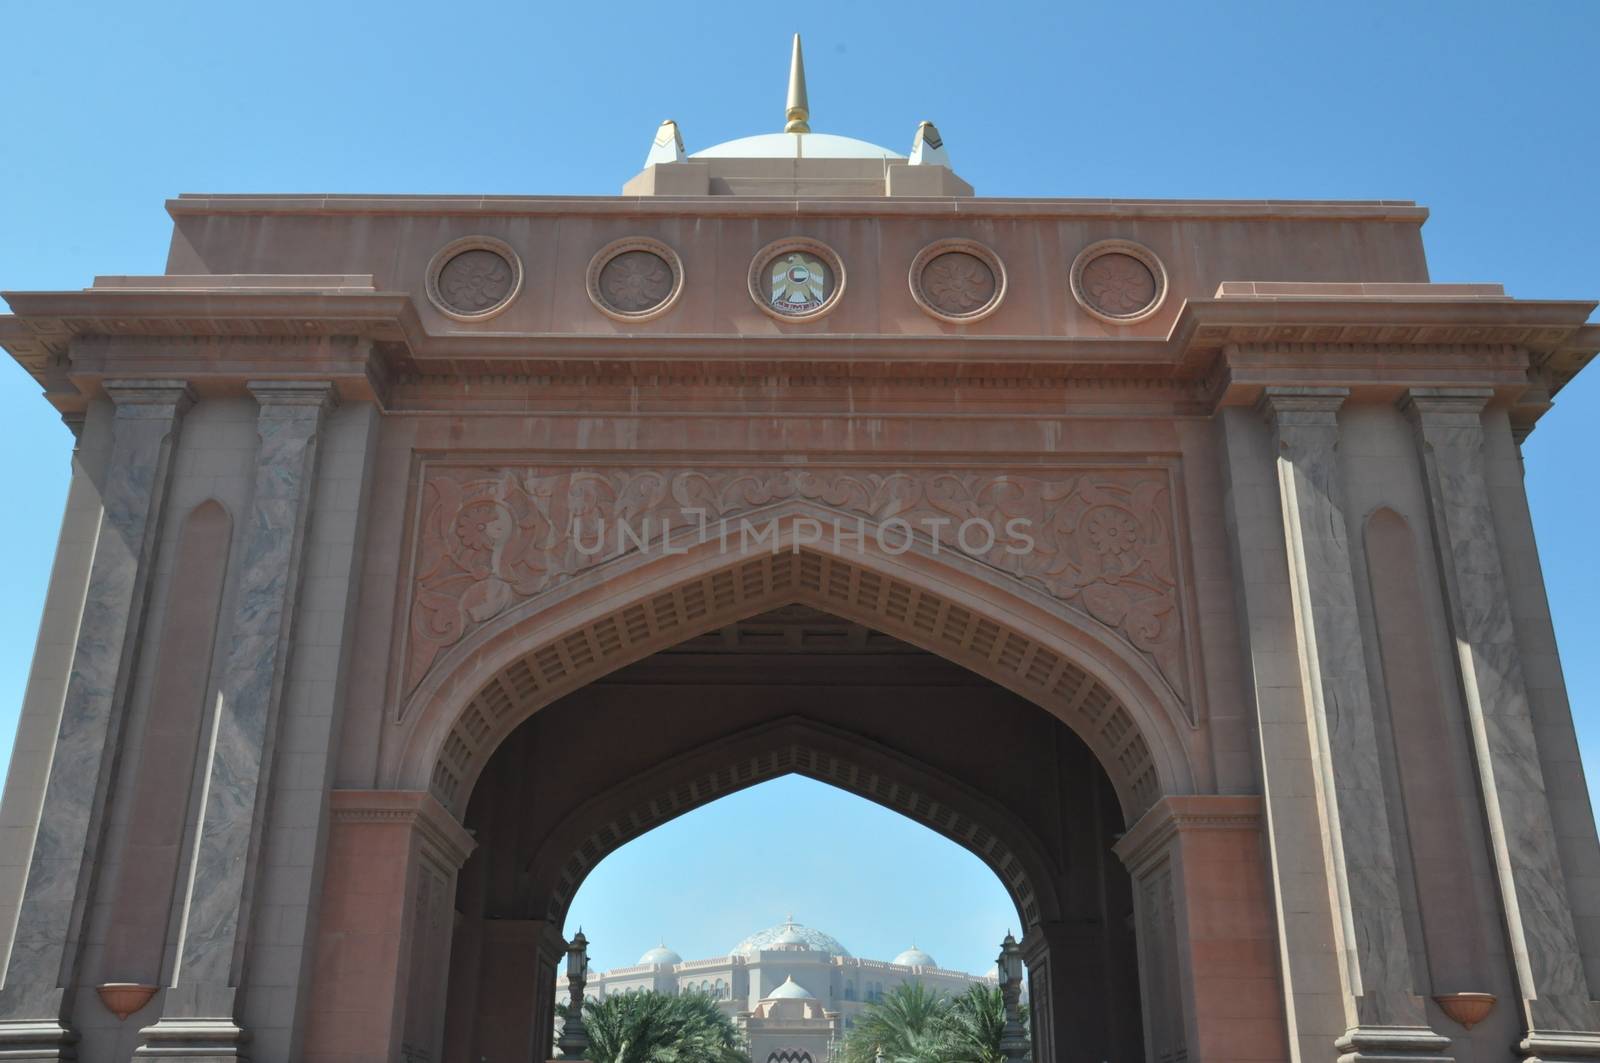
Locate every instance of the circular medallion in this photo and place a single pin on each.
(796, 279)
(1119, 281)
(959, 281)
(635, 279)
(474, 278)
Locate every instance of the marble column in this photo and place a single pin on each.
(198, 1015)
(1562, 1022)
(1385, 1018)
(43, 962)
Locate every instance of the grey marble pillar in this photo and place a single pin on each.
(197, 1019)
(1559, 1017)
(43, 960)
(1387, 1020)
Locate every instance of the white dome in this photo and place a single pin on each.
(660, 955)
(816, 940)
(915, 957)
(796, 146)
(790, 990)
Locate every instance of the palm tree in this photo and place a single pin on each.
(973, 1026)
(905, 1025)
(915, 1025)
(652, 1027)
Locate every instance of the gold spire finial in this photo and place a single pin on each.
(797, 111)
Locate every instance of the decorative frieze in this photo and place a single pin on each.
(1101, 541)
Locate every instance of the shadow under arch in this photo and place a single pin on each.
(799, 746)
(937, 599)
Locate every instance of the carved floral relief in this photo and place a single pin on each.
(490, 538)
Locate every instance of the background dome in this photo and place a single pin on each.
(791, 990)
(816, 939)
(915, 957)
(659, 955)
(796, 146)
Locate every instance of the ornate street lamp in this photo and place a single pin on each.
(574, 1041)
(1013, 1036)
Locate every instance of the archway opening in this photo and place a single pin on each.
(794, 691)
(791, 890)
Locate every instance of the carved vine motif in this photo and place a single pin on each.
(491, 538)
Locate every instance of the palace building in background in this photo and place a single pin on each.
(790, 988)
(1171, 556)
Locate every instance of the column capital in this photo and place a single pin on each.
(319, 394)
(417, 809)
(1058, 938)
(1427, 407)
(543, 936)
(1147, 840)
(127, 393)
(1314, 406)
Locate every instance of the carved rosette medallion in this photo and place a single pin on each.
(1119, 281)
(957, 281)
(796, 279)
(635, 279)
(474, 278)
(1101, 541)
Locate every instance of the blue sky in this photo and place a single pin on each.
(1483, 112)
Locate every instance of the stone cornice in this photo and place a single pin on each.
(762, 206)
(1147, 840)
(1224, 349)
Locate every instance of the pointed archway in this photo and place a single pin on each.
(972, 613)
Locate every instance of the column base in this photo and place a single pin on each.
(1392, 1044)
(37, 1040)
(1558, 1046)
(193, 1041)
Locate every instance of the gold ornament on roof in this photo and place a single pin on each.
(797, 111)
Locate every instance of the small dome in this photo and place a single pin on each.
(660, 955)
(790, 938)
(795, 146)
(790, 990)
(915, 957)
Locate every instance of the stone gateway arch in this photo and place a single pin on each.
(1171, 557)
